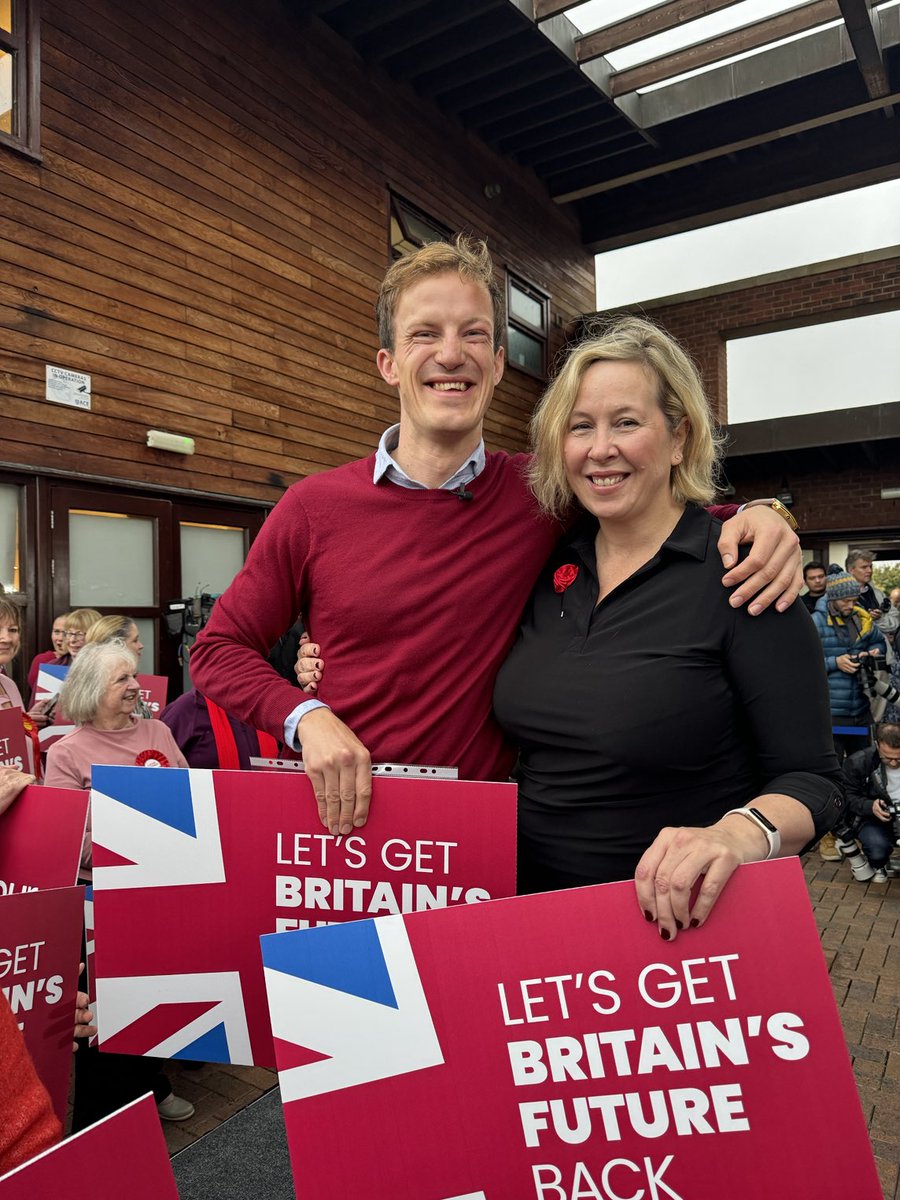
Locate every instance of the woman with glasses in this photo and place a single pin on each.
(78, 622)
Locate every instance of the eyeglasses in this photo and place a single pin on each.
(75, 635)
(889, 761)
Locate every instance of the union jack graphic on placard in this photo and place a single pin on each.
(158, 830)
(50, 679)
(359, 1009)
(192, 867)
(196, 1016)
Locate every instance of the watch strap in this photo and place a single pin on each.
(773, 837)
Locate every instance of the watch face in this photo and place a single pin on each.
(763, 820)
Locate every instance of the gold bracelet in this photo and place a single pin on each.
(784, 513)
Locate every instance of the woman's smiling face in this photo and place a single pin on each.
(619, 448)
(9, 640)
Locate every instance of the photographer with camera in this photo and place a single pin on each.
(872, 780)
(849, 637)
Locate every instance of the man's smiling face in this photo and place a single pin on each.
(443, 362)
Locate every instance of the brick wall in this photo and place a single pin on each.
(843, 495)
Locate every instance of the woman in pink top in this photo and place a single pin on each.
(100, 695)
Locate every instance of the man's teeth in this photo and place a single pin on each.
(455, 386)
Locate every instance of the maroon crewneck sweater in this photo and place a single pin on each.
(414, 595)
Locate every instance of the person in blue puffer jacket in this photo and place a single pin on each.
(847, 631)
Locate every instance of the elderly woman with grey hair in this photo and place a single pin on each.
(100, 694)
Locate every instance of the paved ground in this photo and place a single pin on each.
(859, 927)
(861, 940)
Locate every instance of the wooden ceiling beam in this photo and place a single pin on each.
(634, 29)
(544, 9)
(751, 37)
(864, 40)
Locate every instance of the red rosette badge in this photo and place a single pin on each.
(151, 758)
(564, 577)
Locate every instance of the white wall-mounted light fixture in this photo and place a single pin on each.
(890, 493)
(177, 443)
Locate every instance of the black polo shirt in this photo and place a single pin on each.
(660, 706)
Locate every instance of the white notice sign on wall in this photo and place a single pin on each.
(68, 387)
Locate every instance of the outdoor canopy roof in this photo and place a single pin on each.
(641, 139)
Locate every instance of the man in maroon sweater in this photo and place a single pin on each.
(413, 566)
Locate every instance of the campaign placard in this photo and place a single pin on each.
(154, 689)
(40, 839)
(123, 1155)
(13, 742)
(553, 1047)
(40, 940)
(203, 862)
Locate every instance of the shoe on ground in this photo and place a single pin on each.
(175, 1108)
(828, 850)
(880, 876)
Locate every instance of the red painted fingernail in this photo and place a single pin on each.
(648, 916)
(664, 934)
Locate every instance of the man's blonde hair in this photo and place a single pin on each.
(680, 396)
(467, 256)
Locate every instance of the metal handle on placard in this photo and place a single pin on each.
(395, 770)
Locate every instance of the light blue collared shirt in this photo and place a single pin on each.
(387, 468)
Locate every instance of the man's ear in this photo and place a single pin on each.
(387, 367)
(499, 364)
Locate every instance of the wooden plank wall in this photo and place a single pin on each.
(205, 236)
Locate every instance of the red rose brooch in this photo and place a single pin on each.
(564, 577)
(151, 758)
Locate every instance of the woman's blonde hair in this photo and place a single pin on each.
(82, 619)
(89, 677)
(681, 398)
(107, 628)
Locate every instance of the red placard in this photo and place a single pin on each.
(553, 1047)
(124, 1155)
(40, 940)
(154, 689)
(13, 744)
(204, 862)
(40, 839)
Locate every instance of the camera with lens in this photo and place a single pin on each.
(185, 618)
(871, 684)
(852, 853)
(893, 807)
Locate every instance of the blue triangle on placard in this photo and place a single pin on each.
(163, 793)
(211, 1047)
(347, 958)
(57, 672)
